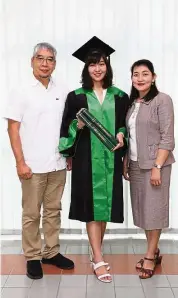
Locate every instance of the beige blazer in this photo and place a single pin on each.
(154, 130)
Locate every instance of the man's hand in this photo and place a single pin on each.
(23, 171)
(120, 139)
(69, 163)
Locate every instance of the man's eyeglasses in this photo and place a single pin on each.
(41, 59)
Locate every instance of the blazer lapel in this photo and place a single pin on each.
(129, 113)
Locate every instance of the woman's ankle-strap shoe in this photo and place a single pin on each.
(158, 260)
(146, 272)
(91, 259)
(101, 277)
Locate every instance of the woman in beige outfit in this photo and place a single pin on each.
(147, 165)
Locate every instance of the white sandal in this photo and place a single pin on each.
(91, 259)
(100, 277)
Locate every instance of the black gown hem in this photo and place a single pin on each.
(119, 221)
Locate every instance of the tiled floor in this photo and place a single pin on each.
(81, 283)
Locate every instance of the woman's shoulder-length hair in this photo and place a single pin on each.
(153, 92)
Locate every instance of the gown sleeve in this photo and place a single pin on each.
(69, 131)
(122, 123)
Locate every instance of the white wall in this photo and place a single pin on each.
(135, 28)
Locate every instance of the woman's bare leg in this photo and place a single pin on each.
(148, 235)
(94, 231)
(153, 237)
(103, 229)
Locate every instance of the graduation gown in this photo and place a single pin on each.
(96, 185)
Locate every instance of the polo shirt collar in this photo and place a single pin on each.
(35, 82)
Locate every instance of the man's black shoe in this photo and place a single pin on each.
(34, 269)
(59, 261)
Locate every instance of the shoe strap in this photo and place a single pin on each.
(98, 265)
(91, 254)
(147, 271)
(141, 261)
(157, 252)
(104, 275)
(148, 259)
(106, 264)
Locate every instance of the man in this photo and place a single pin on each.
(34, 118)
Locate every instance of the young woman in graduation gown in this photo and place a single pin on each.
(96, 188)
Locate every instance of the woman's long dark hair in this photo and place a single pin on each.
(94, 57)
(134, 94)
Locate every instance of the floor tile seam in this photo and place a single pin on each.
(120, 286)
(130, 253)
(143, 294)
(114, 290)
(171, 274)
(157, 287)
(32, 281)
(30, 288)
(134, 251)
(86, 286)
(86, 292)
(168, 280)
(88, 273)
(65, 249)
(15, 288)
(86, 281)
(18, 287)
(133, 248)
(128, 287)
(58, 288)
(173, 293)
(114, 286)
(8, 276)
(143, 289)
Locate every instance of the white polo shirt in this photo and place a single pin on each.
(40, 112)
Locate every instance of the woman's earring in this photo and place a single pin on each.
(152, 83)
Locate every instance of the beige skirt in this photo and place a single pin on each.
(150, 204)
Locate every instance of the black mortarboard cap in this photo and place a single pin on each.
(94, 44)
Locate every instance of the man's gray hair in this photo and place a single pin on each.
(44, 45)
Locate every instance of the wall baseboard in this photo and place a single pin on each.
(83, 232)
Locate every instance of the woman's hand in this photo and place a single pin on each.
(125, 168)
(80, 124)
(120, 139)
(126, 173)
(155, 177)
(69, 163)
